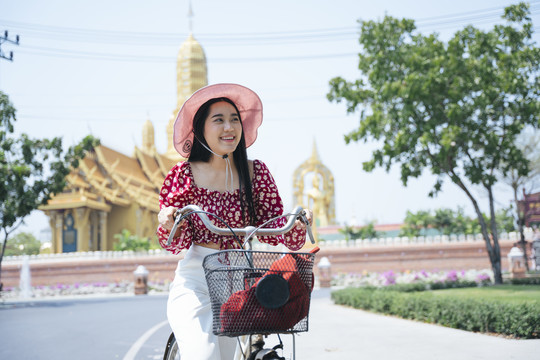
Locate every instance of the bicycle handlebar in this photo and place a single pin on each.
(247, 231)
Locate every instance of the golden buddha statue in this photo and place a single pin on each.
(320, 197)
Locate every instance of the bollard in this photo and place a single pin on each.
(515, 260)
(141, 280)
(25, 283)
(325, 273)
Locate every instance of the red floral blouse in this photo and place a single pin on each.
(179, 189)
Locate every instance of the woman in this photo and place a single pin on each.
(213, 129)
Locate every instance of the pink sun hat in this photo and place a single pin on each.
(247, 101)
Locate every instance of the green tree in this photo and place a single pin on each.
(350, 232)
(23, 244)
(416, 224)
(129, 242)
(31, 170)
(365, 232)
(444, 221)
(464, 224)
(505, 220)
(368, 231)
(454, 108)
(447, 221)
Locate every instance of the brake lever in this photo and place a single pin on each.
(178, 218)
(302, 217)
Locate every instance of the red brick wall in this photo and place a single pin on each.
(160, 268)
(440, 256)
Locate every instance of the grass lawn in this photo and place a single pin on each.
(510, 293)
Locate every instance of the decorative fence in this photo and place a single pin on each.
(341, 243)
(437, 239)
(85, 255)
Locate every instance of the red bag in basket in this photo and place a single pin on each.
(243, 313)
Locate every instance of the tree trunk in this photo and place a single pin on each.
(492, 249)
(520, 223)
(7, 231)
(496, 262)
(1, 257)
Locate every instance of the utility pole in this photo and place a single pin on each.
(4, 39)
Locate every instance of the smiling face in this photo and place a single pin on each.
(222, 128)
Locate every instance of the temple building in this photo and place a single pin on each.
(111, 191)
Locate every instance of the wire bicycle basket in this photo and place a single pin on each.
(259, 292)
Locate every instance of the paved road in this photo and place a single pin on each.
(134, 328)
(93, 329)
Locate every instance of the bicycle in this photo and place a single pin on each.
(249, 292)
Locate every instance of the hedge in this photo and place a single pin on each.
(521, 320)
(533, 280)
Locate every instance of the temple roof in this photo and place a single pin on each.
(107, 177)
(150, 166)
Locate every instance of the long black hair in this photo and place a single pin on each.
(200, 153)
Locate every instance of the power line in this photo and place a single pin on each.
(163, 39)
(265, 38)
(497, 11)
(5, 39)
(486, 18)
(228, 39)
(51, 52)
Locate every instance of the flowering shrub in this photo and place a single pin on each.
(435, 279)
(389, 278)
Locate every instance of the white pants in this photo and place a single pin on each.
(189, 311)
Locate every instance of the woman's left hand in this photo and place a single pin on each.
(308, 214)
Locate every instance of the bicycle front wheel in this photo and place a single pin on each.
(171, 351)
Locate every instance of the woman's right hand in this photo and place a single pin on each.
(166, 217)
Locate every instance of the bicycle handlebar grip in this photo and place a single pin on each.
(178, 217)
(310, 234)
(304, 219)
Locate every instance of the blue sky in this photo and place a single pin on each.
(105, 67)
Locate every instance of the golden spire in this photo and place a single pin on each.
(191, 75)
(148, 143)
(190, 17)
(314, 154)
